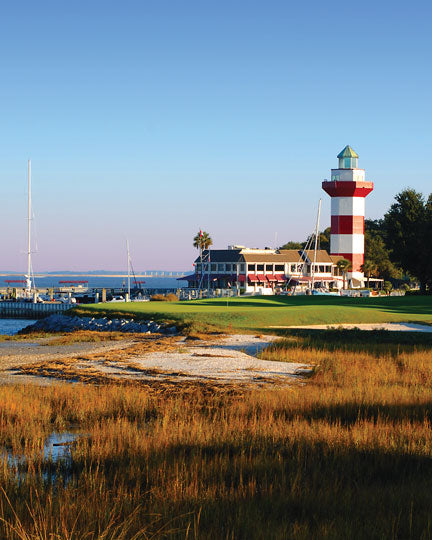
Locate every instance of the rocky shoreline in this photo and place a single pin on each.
(65, 323)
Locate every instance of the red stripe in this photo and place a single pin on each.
(357, 260)
(348, 189)
(347, 225)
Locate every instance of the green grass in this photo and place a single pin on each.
(259, 313)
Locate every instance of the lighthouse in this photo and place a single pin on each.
(348, 190)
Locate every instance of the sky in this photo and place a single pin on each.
(149, 120)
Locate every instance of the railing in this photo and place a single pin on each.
(196, 294)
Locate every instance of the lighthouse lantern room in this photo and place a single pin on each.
(348, 190)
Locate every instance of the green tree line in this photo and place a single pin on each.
(398, 246)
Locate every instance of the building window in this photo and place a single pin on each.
(279, 268)
(213, 267)
(221, 268)
(322, 269)
(251, 268)
(260, 268)
(242, 267)
(293, 268)
(206, 267)
(228, 267)
(269, 268)
(198, 267)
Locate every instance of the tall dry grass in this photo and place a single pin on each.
(346, 453)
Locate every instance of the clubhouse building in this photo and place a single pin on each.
(264, 271)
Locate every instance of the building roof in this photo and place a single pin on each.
(336, 258)
(347, 152)
(284, 255)
(221, 255)
(276, 257)
(321, 257)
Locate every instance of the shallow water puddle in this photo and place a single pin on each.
(56, 447)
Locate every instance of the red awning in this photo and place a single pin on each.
(262, 278)
(242, 278)
(271, 277)
(280, 278)
(253, 278)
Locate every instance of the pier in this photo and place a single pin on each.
(30, 310)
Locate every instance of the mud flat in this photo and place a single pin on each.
(226, 359)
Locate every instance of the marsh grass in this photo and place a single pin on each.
(346, 453)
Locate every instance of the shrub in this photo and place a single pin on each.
(164, 298)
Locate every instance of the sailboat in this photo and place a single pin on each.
(29, 278)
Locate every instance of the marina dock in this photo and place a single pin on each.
(30, 310)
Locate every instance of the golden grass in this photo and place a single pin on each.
(346, 453)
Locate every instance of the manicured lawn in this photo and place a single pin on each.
(259, 313)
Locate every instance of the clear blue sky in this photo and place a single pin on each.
(151, 119)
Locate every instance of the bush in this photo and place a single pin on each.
(418, 292)
(387, 287)
(164, 298)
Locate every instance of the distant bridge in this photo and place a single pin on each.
(145, 274)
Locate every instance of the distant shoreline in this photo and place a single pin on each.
(97, 275)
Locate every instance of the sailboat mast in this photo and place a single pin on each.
(128, 268)
(28, 281)
(316, 243)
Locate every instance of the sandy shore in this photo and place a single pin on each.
(228, 359)
(16, 354)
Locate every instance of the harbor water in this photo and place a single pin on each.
(98, 281)
(9, 327)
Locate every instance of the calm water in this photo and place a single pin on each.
(105, 281)
(9, 327)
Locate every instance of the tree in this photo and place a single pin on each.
(368, 268)
(202, 240)
(344, 265)
(378, 255)
(323, 241)
(387, 287)
(292, 245)
(407, 224)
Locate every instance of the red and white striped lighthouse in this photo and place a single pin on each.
(348, 190)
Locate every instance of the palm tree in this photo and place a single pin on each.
(368, 267)
(202, 240)
(344, 265)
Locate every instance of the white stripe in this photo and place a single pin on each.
(347, 243)
(347, 206)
